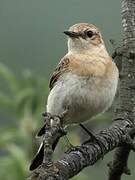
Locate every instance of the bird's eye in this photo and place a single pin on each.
(89, 34)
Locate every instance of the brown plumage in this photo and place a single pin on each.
(85, 80)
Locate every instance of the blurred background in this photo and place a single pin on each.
(31, 44)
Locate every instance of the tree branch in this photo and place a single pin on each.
(79, 157)
(126, 106)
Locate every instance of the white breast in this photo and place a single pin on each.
(84, 96)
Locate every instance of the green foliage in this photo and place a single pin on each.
(24, 96)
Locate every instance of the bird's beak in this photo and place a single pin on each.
(71, 34)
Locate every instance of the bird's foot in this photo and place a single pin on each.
(48, 116)
(70, 147)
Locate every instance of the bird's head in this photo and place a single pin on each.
(84, 36)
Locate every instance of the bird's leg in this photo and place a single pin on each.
(62, 129)
(93, 138)
(69, 145)
(61, 117)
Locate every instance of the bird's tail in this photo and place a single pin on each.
(38, 159)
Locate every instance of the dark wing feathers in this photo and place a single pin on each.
(61, 67)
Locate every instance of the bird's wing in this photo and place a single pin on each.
(59, 70)
(38, 158)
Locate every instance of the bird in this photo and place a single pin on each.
(84, 82)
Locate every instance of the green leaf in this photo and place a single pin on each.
(5, 100)
(9, 76)
(14, 165)
(23, 97)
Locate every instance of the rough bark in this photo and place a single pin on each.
(79, 157)
(126, 107)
